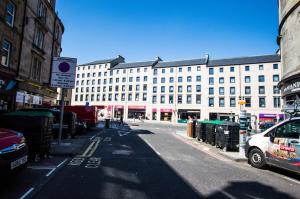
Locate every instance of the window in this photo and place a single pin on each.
(99, 81)
(189, 69)
(118, 71)
(261, 90)
(82, 75)
(248, 102)
(211, 71)
(105, 73)
(110, 80)
(262, 102)
(171, 70)
(189, 88)
(116, 97)
(275, 66)
(163, 71)
(10, 13)
(77, 83)
(221, 70)
(171, 79)
(162, 99)
(179, 89)
(137, 97)
(129, 97)
(247, 68)
(99, 74)
(261, 67)
(211, 81)
(162, 89)
(247, 90)
(98, 89)
(145, 87)
(261, 78)
(211, 102)
(145, 78)
(179, 99)
(179, 79)
(123, 87)
(117, 88)
(41, 10)
(276, 90)
(124, 71)
(163, 80)
(155, 72)
(77, 76)
(198, 68)
(81, 98)
(221, 80)
(154, 89)
(189, 99)
(232, 90)
(76, 90)
(171, 99)
(81, 89)
(232, 69)
(189, 79)
(117, 80)
(232, 79)
(88, 75)
(6, 50)
(82, 82)
(76, 98)
(221, 102)
(154, 99)
(39, 38)
(171, 89)
(275, 78)
(137, 79)
(92, 97)
(36, 69)
(104, 88)
(124, 79)
(180, 69)
(198, 78)
(276, 101)
(145, 69)
(87, 89)
(93, 89)
(130, 79)
(86, 98)
(221, 91)
(104, 81)
(144, 97)
(123, 97)
(198, 88)
(211, 91)
(289, 130)
(131, 70)
(138, 70)
(154, 80)
(198, 99)
(247, 79)
(98, 97)
(130, 88)
(110, 88)
(232, 102)
(137, 88)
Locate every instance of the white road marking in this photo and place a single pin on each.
(152, 147)
(122, 133)
(27, 193)
(62, 163)
(93, 163)
(88, 149)
(76, 161)
(291, 179)
(50, 172)
(107, 139)
(94, 148)
(92, 137)
(41, 167)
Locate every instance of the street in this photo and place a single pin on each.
(148, 161)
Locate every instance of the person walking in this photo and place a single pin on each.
(121, 121)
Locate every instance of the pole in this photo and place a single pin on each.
(61, 114)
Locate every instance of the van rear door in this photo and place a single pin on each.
(284, 151)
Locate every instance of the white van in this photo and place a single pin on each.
(278, 146)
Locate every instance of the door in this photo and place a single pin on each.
(284, 150)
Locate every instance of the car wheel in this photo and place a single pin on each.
(257, 158)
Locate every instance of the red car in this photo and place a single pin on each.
(13, 151)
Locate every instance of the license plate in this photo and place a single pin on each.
(18, 162)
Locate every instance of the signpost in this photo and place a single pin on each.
(63, 76)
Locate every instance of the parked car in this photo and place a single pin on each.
(278, 146)
(13, 151)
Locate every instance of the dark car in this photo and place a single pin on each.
(13, 151)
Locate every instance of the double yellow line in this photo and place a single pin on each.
(92, 147)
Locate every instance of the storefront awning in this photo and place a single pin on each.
(166, 110)
(137, 107)
(264, 115)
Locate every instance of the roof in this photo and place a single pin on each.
(245, 60)
(103, 61)
(180, 63)
(134, 65)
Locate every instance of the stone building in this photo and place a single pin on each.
(41, 41)
(289, 41)
(11, 28)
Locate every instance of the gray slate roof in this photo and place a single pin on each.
(103, 61)
(244, 60)
(133, 65)
(180, 63)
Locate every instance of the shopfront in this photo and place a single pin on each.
(222, 116)
(26, 100)
(119, 111)
(166, 114)
(183, 114)
(136, 112)
(270, 118)
(291, 90)
(7, 94)
(154, 114)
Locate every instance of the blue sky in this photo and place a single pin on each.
(140, 30)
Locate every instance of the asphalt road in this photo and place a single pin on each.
(148, 161)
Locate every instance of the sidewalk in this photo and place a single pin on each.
(235, 156)
(136, 121)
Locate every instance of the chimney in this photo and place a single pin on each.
(158, 58)
(206, 56)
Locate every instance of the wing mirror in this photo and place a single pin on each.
(272, 135)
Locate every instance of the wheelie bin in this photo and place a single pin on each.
(227, 136)
(200, 131)
(210, 129)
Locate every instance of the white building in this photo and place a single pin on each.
(170, 91)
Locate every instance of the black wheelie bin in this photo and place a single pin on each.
(227, 136)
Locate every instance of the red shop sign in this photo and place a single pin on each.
(137, 107)
(166, 110)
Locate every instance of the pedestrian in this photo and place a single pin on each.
(121, 121)
(190, 119)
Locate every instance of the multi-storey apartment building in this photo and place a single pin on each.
(169, 91)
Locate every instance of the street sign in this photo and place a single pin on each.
(63, 72)
(242, 102)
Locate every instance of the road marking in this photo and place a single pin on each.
(76, 161)
(94, 148)
(50, 172)
(291, 179)
(92, 137)
(152, 147)
(107, 139)
(122, 133)
(27, 193)
(88, 149)
(41, 167)
(93, 163)
(62, 163)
